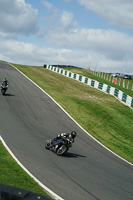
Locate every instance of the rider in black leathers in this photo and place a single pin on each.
(4, 82)
(65, 137)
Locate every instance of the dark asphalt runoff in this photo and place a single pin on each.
(88, 171)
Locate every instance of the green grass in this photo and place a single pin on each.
(12, 174)
(83, 72)
(102, 115)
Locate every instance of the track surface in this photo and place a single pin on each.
(88, 171)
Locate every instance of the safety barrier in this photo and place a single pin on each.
(126, 99)
(8, 192)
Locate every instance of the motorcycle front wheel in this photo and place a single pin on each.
(61, 150)
(48, 144)
(3, 91)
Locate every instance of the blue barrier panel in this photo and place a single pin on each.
(116, 92)
(108, 89)
(132, 103)
(92, 83)
(86, 80)
(74, 76)
(124, 97)
(80, 78)
(100, 86)
(70, 74)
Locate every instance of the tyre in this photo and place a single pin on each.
(3, 91)
(61, 150)
(48, 144)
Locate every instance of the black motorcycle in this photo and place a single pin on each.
(4, 88)
(58, 146)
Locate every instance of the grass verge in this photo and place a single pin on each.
(83, 72)
(12, 174)
(102, 115)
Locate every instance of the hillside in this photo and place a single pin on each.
(103, 116)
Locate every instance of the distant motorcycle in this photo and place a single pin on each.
(4, 88)
(62, 146)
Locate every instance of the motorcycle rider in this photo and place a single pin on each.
(65, 137)
(4, 82)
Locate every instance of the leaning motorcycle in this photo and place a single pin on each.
(4, 89)
(62, 146)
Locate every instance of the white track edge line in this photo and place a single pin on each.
(73, 119)
(47, 190)
(56, 197)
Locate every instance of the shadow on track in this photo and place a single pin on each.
(72, 155)
(9, 95)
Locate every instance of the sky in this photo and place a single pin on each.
(83, 33)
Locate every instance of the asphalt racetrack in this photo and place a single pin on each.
(88, 171)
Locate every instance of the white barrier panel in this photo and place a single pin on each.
(104, 87)
(96, 84)
(111, 90)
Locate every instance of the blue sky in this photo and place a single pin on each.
(85, 33)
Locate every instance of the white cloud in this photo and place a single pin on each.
(66, 22)
(49, 6)
(105, 50)
(110, 43)
(26, 53)
(118, 12)
(108, 48)
(17, 17)
(58, 24)
(66, 18)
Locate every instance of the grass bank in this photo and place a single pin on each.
(12, 174)
(102, 115)
(107, 79)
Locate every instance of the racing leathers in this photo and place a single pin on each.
(63, 136)
(4, 83)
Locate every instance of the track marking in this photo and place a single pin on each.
(47, 190)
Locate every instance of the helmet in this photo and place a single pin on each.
(73, 134)
(4, 80)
